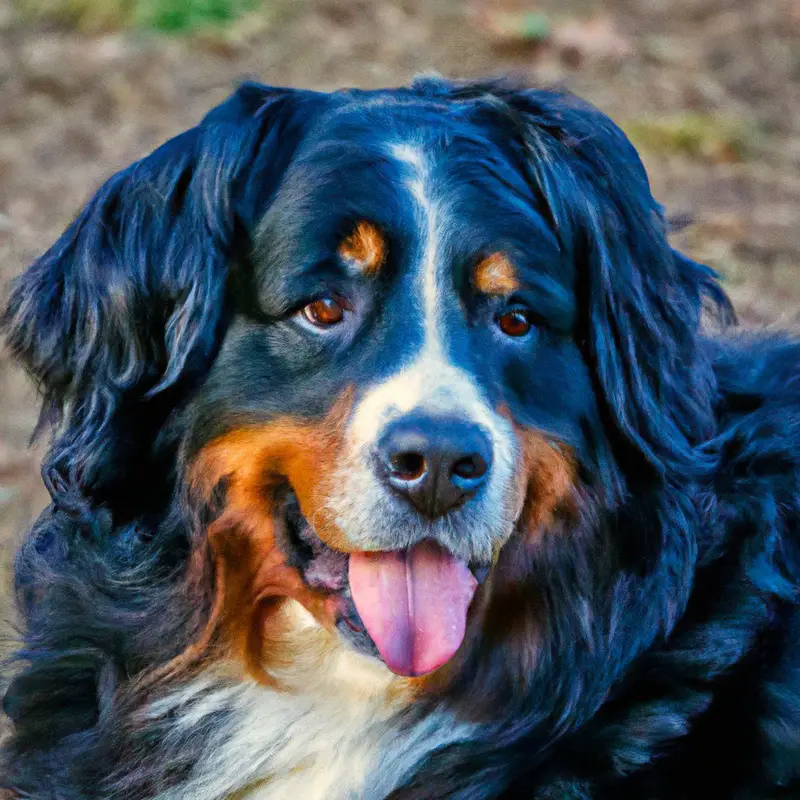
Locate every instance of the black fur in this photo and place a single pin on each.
(670, 661)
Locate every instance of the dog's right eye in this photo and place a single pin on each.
(514, 322)
(324, 313)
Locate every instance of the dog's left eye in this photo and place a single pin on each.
(324, 313)
(514, 322)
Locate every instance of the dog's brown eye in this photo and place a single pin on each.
(324, 313)
(514, 323)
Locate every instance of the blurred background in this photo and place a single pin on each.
(709, 90)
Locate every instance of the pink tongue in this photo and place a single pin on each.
(413, 603)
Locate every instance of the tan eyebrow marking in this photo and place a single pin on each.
(364, 249)
(495, 274)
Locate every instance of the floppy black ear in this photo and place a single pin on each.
(644, 300)
(124, 311)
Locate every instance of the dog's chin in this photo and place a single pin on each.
(327, 571)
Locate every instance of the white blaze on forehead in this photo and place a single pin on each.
(429, 382)
(430, 214)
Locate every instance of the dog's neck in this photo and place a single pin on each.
(336, 724)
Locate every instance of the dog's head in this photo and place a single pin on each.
(382, 342)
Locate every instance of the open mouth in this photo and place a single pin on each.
(407, 607)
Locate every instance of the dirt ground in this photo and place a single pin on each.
(709, 89)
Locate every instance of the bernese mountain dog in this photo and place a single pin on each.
(396, 454)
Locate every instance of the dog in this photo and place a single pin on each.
(396, 454)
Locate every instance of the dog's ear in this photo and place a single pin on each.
(124, 311)
(643, 300)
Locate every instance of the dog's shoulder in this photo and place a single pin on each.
(756, 370)
(758, 438)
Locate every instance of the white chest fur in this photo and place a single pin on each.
(336, 731)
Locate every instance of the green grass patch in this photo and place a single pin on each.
(167, 16)
(711, 137)
(174, 16)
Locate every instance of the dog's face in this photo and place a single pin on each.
(404, 367)
(386, 343)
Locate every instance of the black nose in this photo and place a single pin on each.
(435, 462)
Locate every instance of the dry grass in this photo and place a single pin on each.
(711, 137)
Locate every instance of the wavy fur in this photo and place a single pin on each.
(648, 646)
